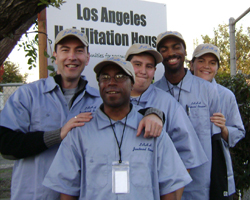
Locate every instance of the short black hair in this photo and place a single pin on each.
(181, 41)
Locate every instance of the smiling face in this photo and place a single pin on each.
(71, 58)
(115, 94)
(144, 66)
(205, 66)
(173, 53)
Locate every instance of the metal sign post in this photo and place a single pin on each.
(232, 23)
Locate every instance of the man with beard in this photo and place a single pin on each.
(105, 158)
(199, 99)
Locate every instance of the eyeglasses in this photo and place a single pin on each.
(118, 78)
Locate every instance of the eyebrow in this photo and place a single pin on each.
(178, 43)
(119, 72)
(78, 47)
(215, 60)
(136, 61)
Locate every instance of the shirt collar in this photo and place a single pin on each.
(214, 82)
(185, 85)
(145, 95)
(103, 120)
(52, 82)
(92, 91)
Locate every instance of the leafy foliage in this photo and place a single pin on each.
(221, 39)
(54, 3)
(12, 73)
(31, 46)
(240, 86)
(50, 67)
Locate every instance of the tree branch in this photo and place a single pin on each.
(8, 43)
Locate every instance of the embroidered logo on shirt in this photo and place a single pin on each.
(197, 104)
(89, 109)
(144, 146)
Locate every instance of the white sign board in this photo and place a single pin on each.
(111, 27)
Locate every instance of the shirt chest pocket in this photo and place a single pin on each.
(199, 117)
(197, 112)
(140, 173)
(96, 171)
(45, 119)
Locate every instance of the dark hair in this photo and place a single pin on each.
(130, 57)
(162, 40)
(193, 59)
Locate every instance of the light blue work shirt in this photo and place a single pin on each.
(200, 99)
(177, 123)
(235, 127)
(83, 164)
(41, 106)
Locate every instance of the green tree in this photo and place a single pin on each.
(221, 39)
(12, 73)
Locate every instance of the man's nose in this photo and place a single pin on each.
(72, 55)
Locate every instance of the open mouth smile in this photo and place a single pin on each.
(71, 66)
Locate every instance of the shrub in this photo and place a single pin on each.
(240, 86)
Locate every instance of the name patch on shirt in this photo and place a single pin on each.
(197, 104)
(144, 146)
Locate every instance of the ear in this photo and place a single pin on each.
(185, 52)
(88, 57)
(192, 67)
(55, 55)
(216, 69)
(132, 86)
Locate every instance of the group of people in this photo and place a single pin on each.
(131, 139)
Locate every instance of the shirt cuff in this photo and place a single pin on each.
(52, 137)
(157, 112)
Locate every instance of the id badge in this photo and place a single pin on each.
(120, 177)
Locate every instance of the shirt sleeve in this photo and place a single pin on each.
(234, 123)
(214, 106)
(171, 170)
(185, 139)
(16, 145)
(65, 178)
(16, 141)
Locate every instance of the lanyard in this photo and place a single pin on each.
(119, 145)
(179, 90)
(139, 99)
